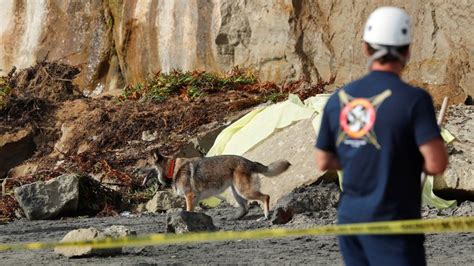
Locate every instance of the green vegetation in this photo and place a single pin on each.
(190, 84)
(5, 91)
(276, 97)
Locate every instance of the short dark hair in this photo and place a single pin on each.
(402, 50)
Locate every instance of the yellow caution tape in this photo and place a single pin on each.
(448, 225)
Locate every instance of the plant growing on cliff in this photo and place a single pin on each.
(190, 84)
(5, 91)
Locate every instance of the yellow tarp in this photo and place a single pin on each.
(428, 196)
(257, 125)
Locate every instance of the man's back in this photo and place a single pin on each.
(375, 125)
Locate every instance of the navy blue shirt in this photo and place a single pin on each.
(375, 125)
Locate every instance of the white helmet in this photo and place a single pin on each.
(389, 26)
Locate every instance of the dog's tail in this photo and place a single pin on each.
(272, 169)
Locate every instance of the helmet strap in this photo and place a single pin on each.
(382, 50)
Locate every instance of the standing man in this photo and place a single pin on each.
(382, 133)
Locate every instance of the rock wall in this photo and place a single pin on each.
(121, 41)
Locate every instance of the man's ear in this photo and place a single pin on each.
(366, 49)
(408, 55)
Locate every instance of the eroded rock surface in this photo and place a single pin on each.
(122, 41)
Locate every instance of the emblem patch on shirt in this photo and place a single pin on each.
(357, 119)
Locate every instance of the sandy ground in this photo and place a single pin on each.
(453, 249)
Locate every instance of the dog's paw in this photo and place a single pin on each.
(262, 219)
(240, 214)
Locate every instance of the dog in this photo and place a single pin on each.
(199, 178)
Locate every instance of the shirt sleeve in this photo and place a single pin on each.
(424, 120)
(325, 139)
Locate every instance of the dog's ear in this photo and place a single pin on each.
(157, 157)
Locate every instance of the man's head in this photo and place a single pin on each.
(387, 36)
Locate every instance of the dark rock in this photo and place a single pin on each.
(312, 198)
(183, 221)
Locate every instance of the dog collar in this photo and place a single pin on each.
(171, 169)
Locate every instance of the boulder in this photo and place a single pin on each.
(312, 198)
(15, 148)
(458, 182)
(299, 151)
(183, 222)
(164, 200)
(46, 200)
(88, 234)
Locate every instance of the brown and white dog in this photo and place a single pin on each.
(200, 178)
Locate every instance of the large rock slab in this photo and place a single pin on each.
(295, 144)
(458, 180)
(165, 200)
(46, 200)
(15, 148)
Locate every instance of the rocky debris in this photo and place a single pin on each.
(15, 148)
(313, 199)
(103, 137)
(88, 234)
(465, 208)
(458, 182)
(9, 209)
(35, 91)
(46, 200)
(165, 200)
(179, 222)
(35, 94)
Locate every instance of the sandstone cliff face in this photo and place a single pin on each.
(121, 41)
